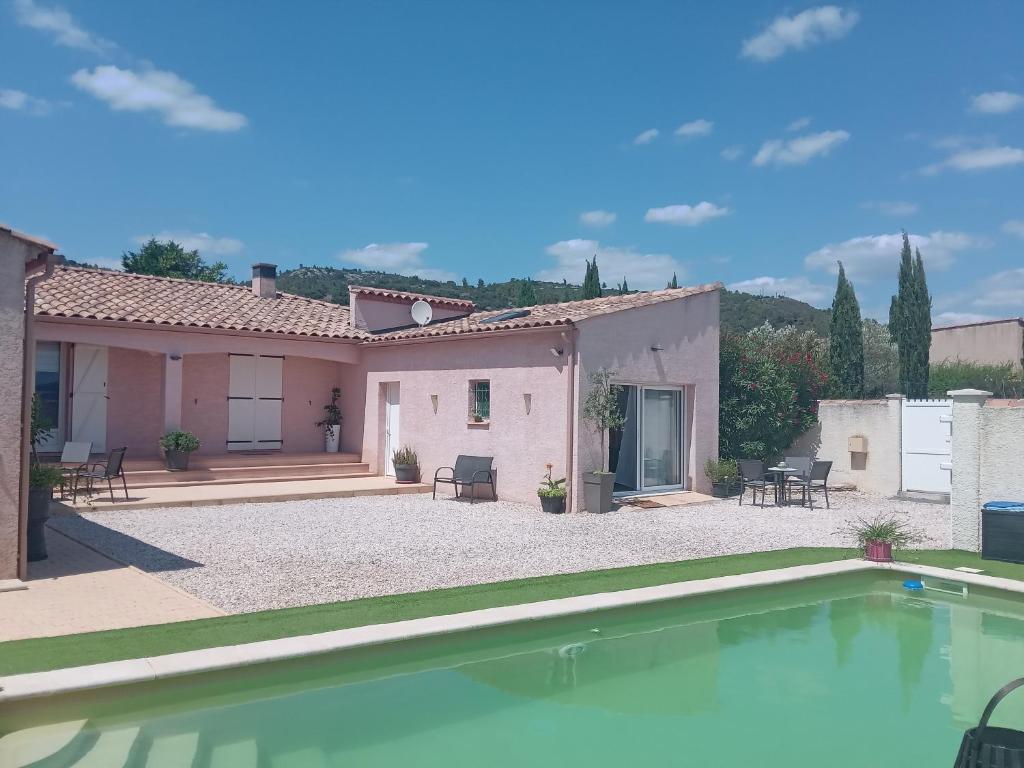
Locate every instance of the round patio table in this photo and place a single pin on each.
(780, 473)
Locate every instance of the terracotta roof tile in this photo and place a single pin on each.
(389, 294)
(101, 294)
(543, 314)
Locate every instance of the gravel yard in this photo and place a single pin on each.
(251, 557)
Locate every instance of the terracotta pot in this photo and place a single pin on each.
(554, 505)
(878, 551)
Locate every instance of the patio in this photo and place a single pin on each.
(250, 557)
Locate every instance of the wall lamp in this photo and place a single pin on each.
(657, 348)
(555, 352)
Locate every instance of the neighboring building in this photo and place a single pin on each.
(24, 260)
(123, 358)
(993, 342)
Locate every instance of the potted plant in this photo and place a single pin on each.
(879, 536)
(724, 476)
(552, 493)
(407, 465)
(42, 478)
(177, 446)
(601, 408)
(331, 422)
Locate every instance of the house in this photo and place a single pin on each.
(122, 358)
(992, 342)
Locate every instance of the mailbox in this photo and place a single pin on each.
(857, 444)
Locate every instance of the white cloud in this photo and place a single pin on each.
(403, 258)
(891, 207)
(732, 153)
(642, 270)
(695, 128)
(105, 262)
(799, 124)
(810, 27)
(19, 101)
(997, 102)
(206, 244)
(877, 256)
(60, 25)
(800, 150)
(1014, 227)
(959, 318)
(646, 137)
(799, 288)
(597, 218)
(176, 100)
(983, 159)
(685, 215)
(1004, 289)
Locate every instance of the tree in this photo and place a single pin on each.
(673, 283)
(169, 259)
(526, 295)
(592, 281)
(846, 341)
(881, 360)
(910, 322)
(601, 407)
(623, 287)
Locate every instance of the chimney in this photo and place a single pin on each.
(264, 280)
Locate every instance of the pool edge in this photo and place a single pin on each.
(148, 669)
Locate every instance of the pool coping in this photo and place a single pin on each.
(150, 669)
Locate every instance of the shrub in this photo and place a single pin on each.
(721, 470)
(44, 476)
(405, 457)
(550, 488)
(332, 413)
(770, 383)
(185, 442)
(1002, 381)
(882, 528)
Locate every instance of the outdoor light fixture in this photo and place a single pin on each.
(433, 402)
(175, 356)
(528, 401)
(657, 348)
(555, 352)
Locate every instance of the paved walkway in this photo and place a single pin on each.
(79, 590)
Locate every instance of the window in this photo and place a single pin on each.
(480, 400)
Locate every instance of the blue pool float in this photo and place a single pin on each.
(913, 584)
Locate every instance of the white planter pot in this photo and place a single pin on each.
(332, 438)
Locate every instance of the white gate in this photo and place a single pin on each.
(927, 445)
(255, 397)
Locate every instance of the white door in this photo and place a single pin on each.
(391, 435)
(89, 397)
(255, 396)
(927, 445)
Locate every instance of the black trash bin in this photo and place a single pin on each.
(1002, 531)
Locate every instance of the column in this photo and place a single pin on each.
(172, 391)
(965, 498)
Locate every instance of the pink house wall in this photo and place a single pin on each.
(379, 313)
(135, 414)
(307, 388)
(688, 333)
(515, 365)
(204, 398)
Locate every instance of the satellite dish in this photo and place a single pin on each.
(421, 312)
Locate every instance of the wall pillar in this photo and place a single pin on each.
(965, 498)
(172, 392)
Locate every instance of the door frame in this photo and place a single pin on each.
(54, 440)
(683, 447)
(388, 440)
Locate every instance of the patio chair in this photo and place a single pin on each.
(816, 480)
(468, 471)
(74, 458)
(752, 476)
(107, 470)
(803, 466)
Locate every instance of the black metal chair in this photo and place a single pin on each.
(468, 471)
(107, 470)
(816, 480)
(752, 476)
(803, 466)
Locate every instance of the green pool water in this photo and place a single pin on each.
(844, 671)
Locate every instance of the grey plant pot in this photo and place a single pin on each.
(406, 473)
(597, 491)
(38, 514)
(176, 461)
(554, 505)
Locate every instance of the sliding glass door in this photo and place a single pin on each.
(647, 453)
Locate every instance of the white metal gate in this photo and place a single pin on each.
(927, 445)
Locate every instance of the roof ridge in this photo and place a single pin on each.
(400, 292)
(142, 276)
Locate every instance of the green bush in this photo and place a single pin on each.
(721, 470)
(551, 488)
(405, 457)
(882, 528)
(184, 442)
(1003, 381)
(44, 476)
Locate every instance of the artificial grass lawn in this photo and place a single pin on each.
(41, 654)
(36, 655)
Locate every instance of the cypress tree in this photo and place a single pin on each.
(846, 340)
(624, 287)
(910, 322)
(526, 294)
(673, 283)
(592, 281)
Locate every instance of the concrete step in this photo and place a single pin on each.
(161, 478)
(173, 751)
(32, 745)
(243, 459)
(111, 749)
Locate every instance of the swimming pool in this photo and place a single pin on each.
(840, 671)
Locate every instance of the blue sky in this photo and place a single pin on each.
(754, 143)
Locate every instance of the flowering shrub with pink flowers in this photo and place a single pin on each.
(770, 384)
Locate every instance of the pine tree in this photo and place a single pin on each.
(910, 322)
(592, 281)
(526, 294)
(846, 341)
(673, 283)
